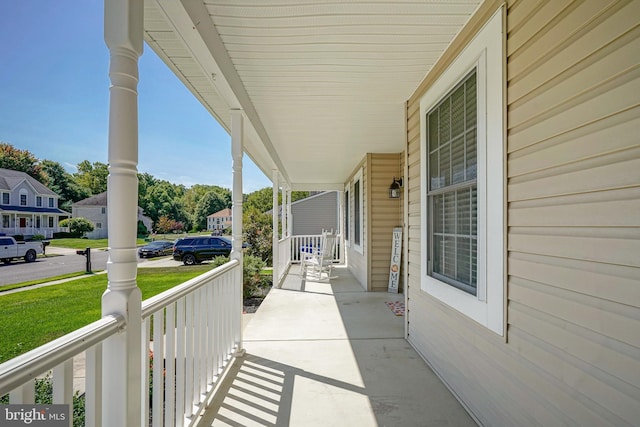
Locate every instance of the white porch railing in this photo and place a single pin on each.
(191, 332)
(306, 242)
(284, 257)
(201, 321)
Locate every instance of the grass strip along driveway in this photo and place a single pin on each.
(32, 318)
(85, 243)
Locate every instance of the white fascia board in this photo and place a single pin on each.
(321, 186)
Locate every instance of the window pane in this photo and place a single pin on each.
(474, 263)
(445, 122)
(474, 211)
(445, 166)
(464, 211)
(471, 155)
(432, 134)
(434, 171)
(463, 269)
(458, 159)
(449, 257)
(449, 213)
(457, 112)
(438, 217)
(470, 98)
(356, 212)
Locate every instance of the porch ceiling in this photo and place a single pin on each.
(321, 83)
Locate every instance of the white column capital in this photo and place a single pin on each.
(123, 21)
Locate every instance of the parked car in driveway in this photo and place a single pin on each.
(194, 250)
(157, 248)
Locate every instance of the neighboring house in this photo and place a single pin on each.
(220, 220)
(27, 207)
(314, 214)
(94, 209)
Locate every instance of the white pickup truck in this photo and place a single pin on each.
(10, 250)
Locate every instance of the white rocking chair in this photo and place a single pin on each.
(319, 263)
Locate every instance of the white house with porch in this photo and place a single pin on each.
(500, 136)
(27, 207)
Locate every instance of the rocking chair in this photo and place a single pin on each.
(319, 264)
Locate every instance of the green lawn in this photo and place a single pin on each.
(85, 243)
(37, 282)
(31, 318)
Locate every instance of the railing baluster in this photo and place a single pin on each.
(63, 385)
(196, 349)
(93, 386)
(203, 342)
(145, 369)
(170, 367)
(188, 400)
(180, 362)
(24, 394)
(158, 367)
(211, 335)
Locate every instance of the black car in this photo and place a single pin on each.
(193, 250)
(157, 248)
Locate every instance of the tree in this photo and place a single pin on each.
(210, 203)
(92, 176)
(195, 194)
(168, 225)
(61, 182)
(78, 225)
(258, 234)
(21, 160)
(263, 199)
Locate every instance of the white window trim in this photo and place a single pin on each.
(485, 53)
(358, 247)
(39, 205)
(2, 197)
(25, 193)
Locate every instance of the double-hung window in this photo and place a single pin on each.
(452, 187)
(358, 213)
(347, 218)
(5, 198)
(39, 201)
(52, 202)
(462, 170)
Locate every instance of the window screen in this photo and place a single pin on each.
(452, 189)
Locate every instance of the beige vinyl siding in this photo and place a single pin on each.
(357, 262)
(572, 351)
(384, 215)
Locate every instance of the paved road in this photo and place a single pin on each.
(19, 271)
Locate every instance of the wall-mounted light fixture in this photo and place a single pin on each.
(394, 188)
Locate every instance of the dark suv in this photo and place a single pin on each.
(193, 250)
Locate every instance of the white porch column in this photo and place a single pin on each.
(237, 131)
(289, 216)
(276, 238)
(121, 387)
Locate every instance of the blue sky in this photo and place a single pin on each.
(54, 98)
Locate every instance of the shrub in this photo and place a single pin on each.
(78, 225)
(38, 237)
(65, 235)
(44, 396)
(253, 283)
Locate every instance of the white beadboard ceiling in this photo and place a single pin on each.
(321, 83)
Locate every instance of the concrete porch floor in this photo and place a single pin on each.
(330, 354)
